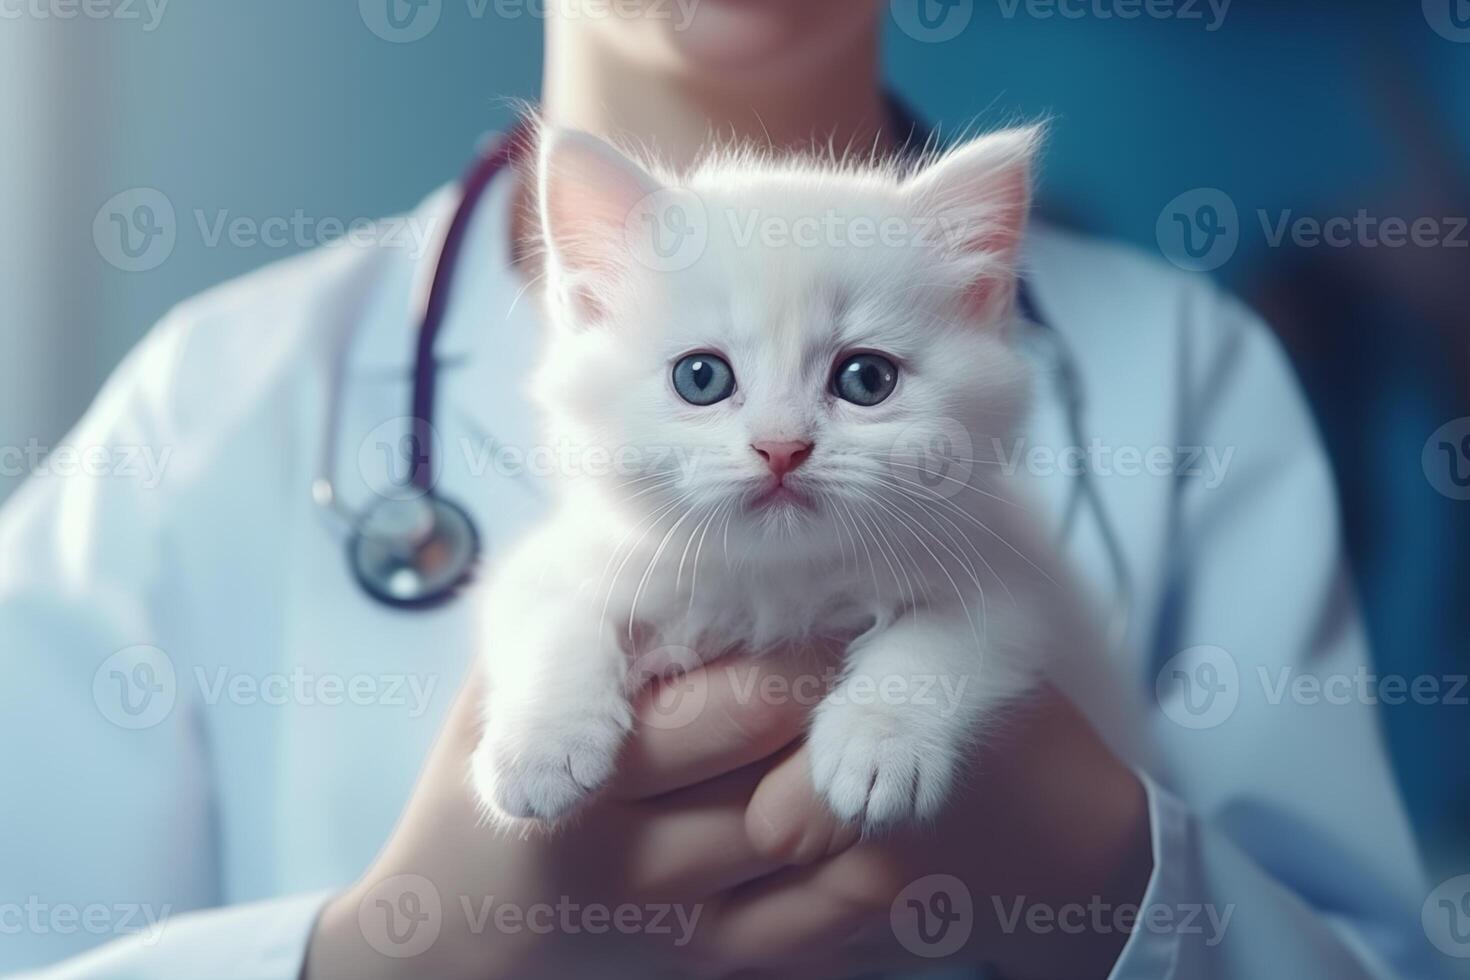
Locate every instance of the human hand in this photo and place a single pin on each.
(451, 897)
(1046, 816)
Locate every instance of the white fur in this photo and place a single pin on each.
(634, 570)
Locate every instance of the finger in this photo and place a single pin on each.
(793, 915)
(788, 822)
(682, 847)
(718, 719)
(693, 842)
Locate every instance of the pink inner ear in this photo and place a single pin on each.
(587, 191)
(984, 190)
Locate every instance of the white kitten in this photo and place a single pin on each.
(752, 365)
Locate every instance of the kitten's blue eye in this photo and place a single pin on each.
(865, 379)
(703, 379)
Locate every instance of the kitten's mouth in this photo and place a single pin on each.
(779, 494)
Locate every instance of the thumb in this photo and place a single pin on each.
(788, 822)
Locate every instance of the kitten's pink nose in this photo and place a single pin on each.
(782, 457)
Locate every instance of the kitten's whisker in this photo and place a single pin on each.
(912, 523)
(651, 523)
(656, 474)
(904, 515)
(998, 498)
(939, 499)
(872, 565)
(694, 576)
(950, 528)
(886, 549)
(653, 563)
(929, 499)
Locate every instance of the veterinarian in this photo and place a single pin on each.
(233, 704)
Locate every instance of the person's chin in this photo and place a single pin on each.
(748, 41)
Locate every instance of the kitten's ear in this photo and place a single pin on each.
(979, 195)
(586, 192)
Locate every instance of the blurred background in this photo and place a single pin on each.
(1215, 135)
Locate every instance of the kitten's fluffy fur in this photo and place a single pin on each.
(660, 554)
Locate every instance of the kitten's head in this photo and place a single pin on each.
(781, 344)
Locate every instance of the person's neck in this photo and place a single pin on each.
(832, 99)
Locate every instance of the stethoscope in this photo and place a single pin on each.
(415, 549)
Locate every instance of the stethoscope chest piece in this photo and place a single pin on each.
(414, 553)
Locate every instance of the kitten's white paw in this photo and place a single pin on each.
(543, 770)
(873, 768)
